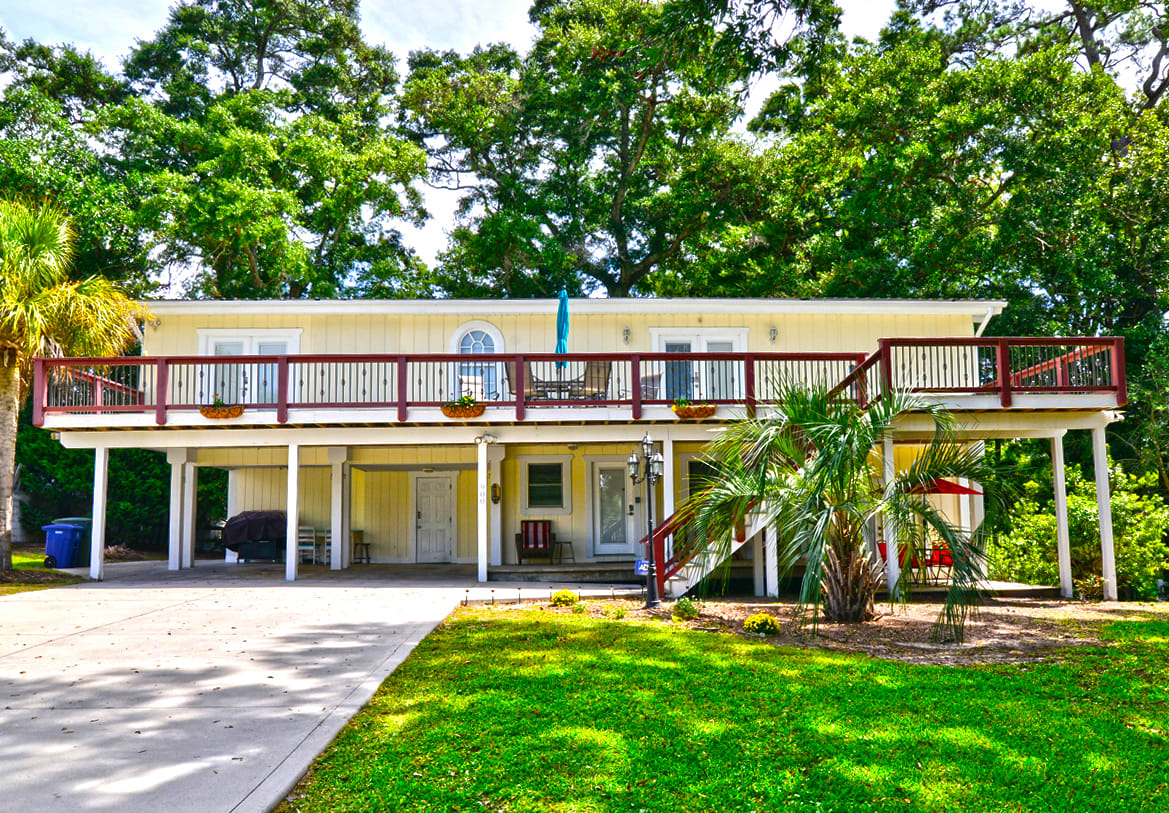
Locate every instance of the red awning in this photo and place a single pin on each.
(942, 486)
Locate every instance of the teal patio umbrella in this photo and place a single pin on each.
(562, 328)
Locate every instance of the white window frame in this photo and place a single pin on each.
(566, 462)
(496, 337)
(250, 337)
(699, 338)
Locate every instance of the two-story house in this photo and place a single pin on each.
(342, 427)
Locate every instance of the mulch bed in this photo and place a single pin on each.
(1002, 631)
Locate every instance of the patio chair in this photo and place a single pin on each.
(472, 385)
(306, 544)
(536, 540)
(594, 383)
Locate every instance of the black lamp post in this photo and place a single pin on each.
(648, 469)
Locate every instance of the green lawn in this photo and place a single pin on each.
(539, 711)
(31, 559)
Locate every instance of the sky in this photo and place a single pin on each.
(109, 28)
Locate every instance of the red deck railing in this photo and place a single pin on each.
(523, 382)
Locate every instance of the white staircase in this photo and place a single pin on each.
(698, 568)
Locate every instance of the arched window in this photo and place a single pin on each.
(479, 379)
(476, 341)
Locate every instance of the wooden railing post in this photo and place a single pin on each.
(1119, 377)
(39, 392)
(862, 385)
(403, 385)
(886, 362)
(635, 385)
(1003, 361)
(749, 383)
(659, 542)
(161, 389)
(521, 389)
(282, 390)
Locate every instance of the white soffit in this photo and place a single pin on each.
(973, 307)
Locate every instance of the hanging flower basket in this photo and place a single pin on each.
(693, 412)
(463, 410)
(220, 412)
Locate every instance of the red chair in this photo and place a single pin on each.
(904, 554)
(535, 540)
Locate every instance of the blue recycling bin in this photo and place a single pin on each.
(61, 544)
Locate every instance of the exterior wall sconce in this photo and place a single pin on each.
(625, 334)
(773, 333)
(496, 493)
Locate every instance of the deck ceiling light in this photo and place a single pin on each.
(625, 334)
(773, 333)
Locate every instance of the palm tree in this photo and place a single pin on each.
(44, 312)
(810, 467)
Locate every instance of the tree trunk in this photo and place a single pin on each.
(849, 584)
(9, 409)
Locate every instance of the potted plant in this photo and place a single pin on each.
(465, 407)
(686, 409)
(218, 409)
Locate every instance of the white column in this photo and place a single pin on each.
(668, 481)
(771, 560)
(892, 556)
(232, 493)
(757, 566)
(495, 476)
(346, 513)
(190, 492)
(1062, 538)
(97, 537)
(177, 458)
(1104, 506)
(292, 513)
(337, 457)
(482, 525)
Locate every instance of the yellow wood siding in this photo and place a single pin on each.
(536, 333)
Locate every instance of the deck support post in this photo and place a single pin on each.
(481, 444)
(292, 514)
(668, 479)
(1104, 507)
(190, 501)
(346, 514)
(892, 555)
(337, 458)
(97, 543)
(771, 560)
(495, 455)
(177, 459)
(757, 566)
(1062, 537)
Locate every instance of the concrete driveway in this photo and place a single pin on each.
(207, 690)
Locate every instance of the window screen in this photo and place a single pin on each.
(545, 485)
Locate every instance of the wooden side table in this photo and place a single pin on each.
(558, 549)
(359, 548)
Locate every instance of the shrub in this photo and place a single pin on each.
(564, 598)
(761, 624)
(617, 613)
(580, 609)
(1139, 520)
(684, 609)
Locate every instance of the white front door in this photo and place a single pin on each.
(434, 518)
(613, 527)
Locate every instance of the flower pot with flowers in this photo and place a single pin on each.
(688, 410)
(465, 407)
(218, 409)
